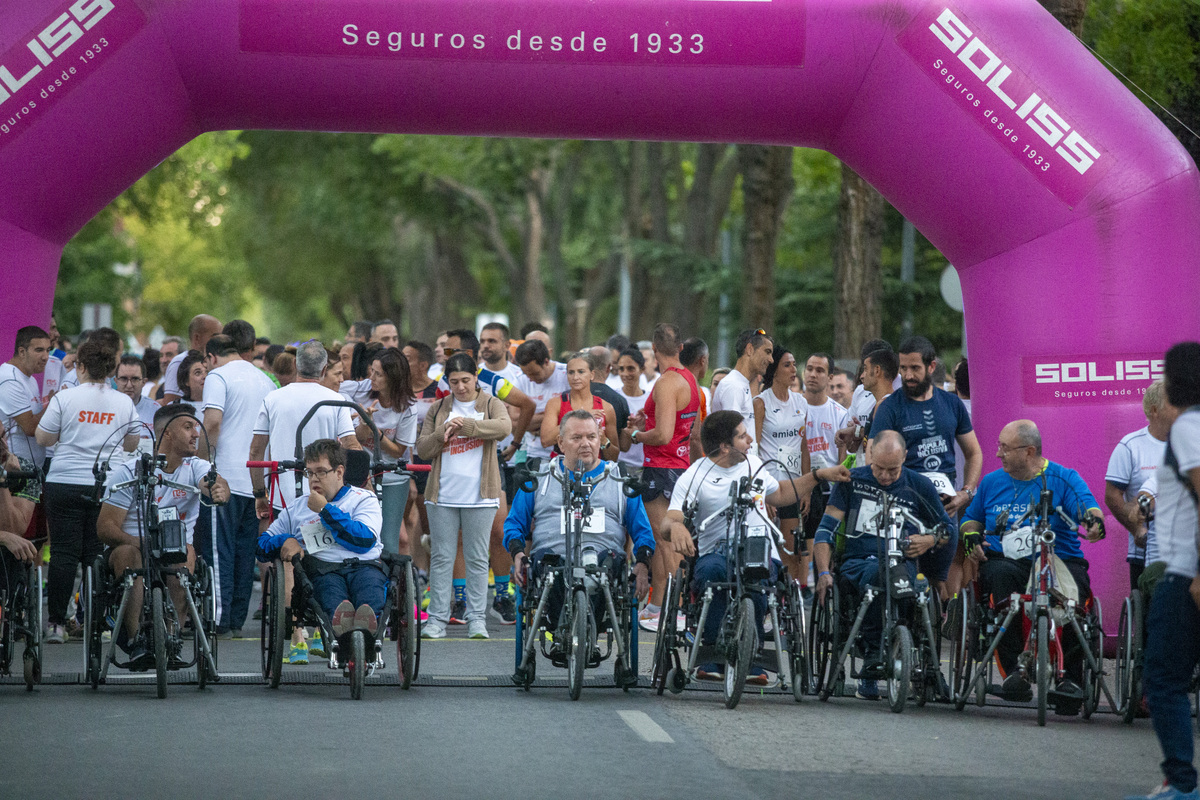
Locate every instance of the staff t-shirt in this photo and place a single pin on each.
(782, 439)
(237, 390)
(88, 419)
(19, 394)
(399, 427)
(189, 473)
(1133, 461)
(280, 416)
(462, 465)
(1175, 519)
(708, 485)
(820, 427)
(929, 428)
(733, 394)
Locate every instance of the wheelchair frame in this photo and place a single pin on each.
(21, 619)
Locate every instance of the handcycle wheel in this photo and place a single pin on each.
(204, 596)
(93, 611)
(1092, 679)
(1043, 668)
(823, 636)
(160, 642)
(266, 640)
(579, 647)
(357, 666)
(404, 629)
(899, 679)
(33, 623)
(798, 643)
(276, 621)
(747, 639)
(664, 639)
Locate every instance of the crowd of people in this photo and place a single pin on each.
(474, 406)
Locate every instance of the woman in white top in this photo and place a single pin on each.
(192, 374)
(459, 438)
(779, 416)
(630, 365)
(394, 412)
(85, 424)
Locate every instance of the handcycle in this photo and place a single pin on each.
(358, 653)
(1045, 612)
(20, 602)
(1131, 636)
(164, 552)
(909, 647)
(588, 578)
(749, 563)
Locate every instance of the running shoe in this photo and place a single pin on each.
(458, 612)
(343, 618)
(140, 657)
(433, 630)
(756, 676)
(316, 647)
(505, 607)
(477, 629)
(712, 671)
(1166, 792)
(55, 634)
(1016, 689)
(806, 595)
(425, 599)
(867, 690)
(257, 613)
(648, 619)
(298, 654)
(365, 618)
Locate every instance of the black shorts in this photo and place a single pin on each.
(659, 482)
(816, 510)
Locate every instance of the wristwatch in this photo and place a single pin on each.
(260, 493)
(634, 436)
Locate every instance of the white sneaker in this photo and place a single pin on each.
(648, 620)
(433, 630)
(55, 634)
(477, 629)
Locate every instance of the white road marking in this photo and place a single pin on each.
(645, 727)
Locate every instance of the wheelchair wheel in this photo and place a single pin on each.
(32, 656)
(797, 642)
(1129, 657)
(664, 640)
(275, 626)
(899, 678)
(93, 616)
(1092, 689)
(580, 647)
(266, 639)
(204, 596)
(160, 642)
(404, 628)
(823, 637)
(745, 644)
(1043, 668)
(357, 666)
(962, 649)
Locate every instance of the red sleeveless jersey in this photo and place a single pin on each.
(675, 454)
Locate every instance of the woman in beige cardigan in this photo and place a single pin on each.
(458, 438)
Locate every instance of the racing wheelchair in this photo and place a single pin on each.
(20, 601)
(358, 653)
(910, 650)
(748, 554)
(1045, 610)
(594, 589)
(164, 552)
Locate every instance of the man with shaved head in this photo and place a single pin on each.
(1005, 558)
(858, 503)
(202, 328)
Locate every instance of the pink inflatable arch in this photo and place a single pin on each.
(1072, 215)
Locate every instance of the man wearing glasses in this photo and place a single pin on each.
(336, 528)
(131, 377)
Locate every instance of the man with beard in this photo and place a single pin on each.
(931, 420)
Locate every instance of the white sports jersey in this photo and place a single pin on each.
(733, 394)
(782, 440)
(709, 484)
(633, 456)
(821, 426)
(19, 394)
(1133, 461)
(540, 394)
(280, 416)
(237, 390)
(399, 427)
(1175, 524)
(189, 473)
(360, 505)
(861, 406)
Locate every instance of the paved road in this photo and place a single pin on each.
(308, 739)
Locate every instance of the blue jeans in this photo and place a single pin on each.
(864, 572)
(713, 567)
(234, 542)
(361, 583)
(1172, 650)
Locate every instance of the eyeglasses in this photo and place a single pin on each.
(449, 351)
(1008, 448)
(129, 380)
(317, 473)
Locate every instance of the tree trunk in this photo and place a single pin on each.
(858, 316)
(1069, 12)
(767, 185)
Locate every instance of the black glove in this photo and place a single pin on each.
(972, 540)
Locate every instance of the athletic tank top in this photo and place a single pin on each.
(782, 441)
(597, 408)
(675, 454)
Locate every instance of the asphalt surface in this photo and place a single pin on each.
(464, 731)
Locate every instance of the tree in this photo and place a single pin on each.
(858, 271)
(767, 186)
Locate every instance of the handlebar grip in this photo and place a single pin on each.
(419, 467)
(262, 464)
(19, 475)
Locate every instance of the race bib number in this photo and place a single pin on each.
(942, 483)
(868, 510)
(1018, 544)
(593, 523)
(316, 537)
(791, 458)
(168, 513)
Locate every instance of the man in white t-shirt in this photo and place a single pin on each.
(734, 393)
(53, 373)
(542, 378)
(21, 405)
(1135, 458)
(131, 377)
(823, 419)
(862, 404)
(1173, 622)
(234, 392)
(202, 328)
(280, 416)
